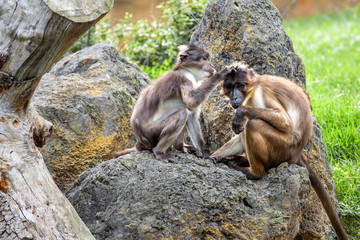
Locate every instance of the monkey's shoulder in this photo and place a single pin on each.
(283, 87)
(170, 78)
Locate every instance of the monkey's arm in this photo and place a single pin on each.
(276, 117)
(193, 97)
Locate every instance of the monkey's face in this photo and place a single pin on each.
(235, 87)
(196, 60)
(207, 67)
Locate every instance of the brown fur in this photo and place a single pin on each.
(275, 122)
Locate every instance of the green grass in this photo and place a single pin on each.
(329, 46)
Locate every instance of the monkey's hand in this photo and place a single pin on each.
(238, 121)
(224, 72)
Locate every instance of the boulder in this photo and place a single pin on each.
(138, 197)
(251, 32)
(88, 96)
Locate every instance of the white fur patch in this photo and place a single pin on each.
(240, 65)
(199, 74)
(293, 113)
(168, 107)
(258, 100)
(255, 100)
(195, 76)
(191, 77)
(183, 48)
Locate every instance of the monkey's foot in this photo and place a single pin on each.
(189, 149)
(231, 161)
(167, 158)
(201, 154)
(216, 159)
(193, 150)
(239, 161)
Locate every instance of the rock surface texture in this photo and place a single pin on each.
(139, 197)
(251, 32)
(88, 96)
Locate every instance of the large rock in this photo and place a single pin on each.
(139, 197)
(88, 96)
(251, 32)
(248, 31)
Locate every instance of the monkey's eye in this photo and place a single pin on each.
(204, 58)
(241, 86)
(228, 86)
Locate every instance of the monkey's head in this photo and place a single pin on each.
(238, 84)
(195, 60)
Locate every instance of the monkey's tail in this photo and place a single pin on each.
(324, 198)
(123, 152)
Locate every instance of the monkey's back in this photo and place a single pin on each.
(296, 103)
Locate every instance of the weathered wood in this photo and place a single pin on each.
(33, 35)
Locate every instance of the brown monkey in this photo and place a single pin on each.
(172, 102)
(274, 121)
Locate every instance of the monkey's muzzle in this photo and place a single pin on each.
(236, 98)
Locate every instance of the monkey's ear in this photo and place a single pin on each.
(222, 92)
(183, 56)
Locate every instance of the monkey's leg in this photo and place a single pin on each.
(266, 147)
(197, 139)
(234, 146)
(179, 142)
(170, 128)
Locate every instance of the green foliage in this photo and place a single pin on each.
(151, 44)
(329, 45)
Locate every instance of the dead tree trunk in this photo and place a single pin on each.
(33, 35)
